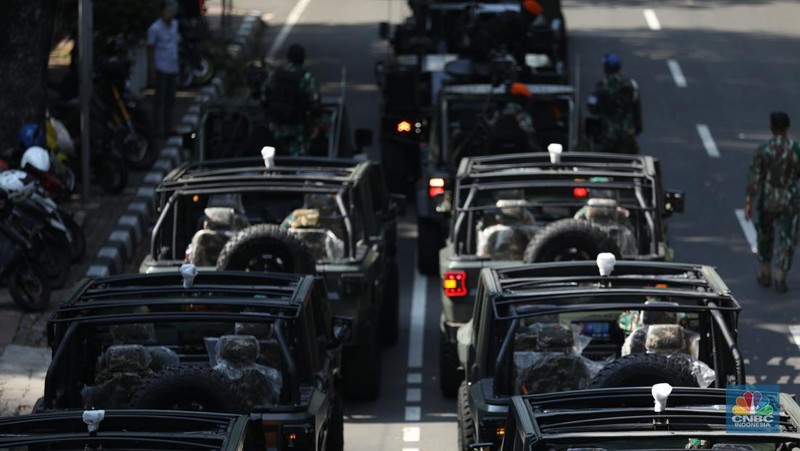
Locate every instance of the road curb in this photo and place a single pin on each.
(134, 224)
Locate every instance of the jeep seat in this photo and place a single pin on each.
(236, 357)
(219, 225)
(509, 233)
(545, 360)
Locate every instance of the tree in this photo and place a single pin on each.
(26, 28)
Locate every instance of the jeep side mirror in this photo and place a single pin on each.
(673, 202)
(383, 30)
(398, 203)
(342, 329)
(363, 139)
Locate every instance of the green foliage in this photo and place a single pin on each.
(129, 17)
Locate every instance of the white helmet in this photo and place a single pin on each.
(36, 157)
(18, 184)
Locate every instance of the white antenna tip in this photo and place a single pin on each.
(92, 418)
(660, 394)
(268, 154)
(189, 272)
(605, 263)
(555, 150)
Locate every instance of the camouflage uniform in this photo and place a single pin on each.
(619, 108)
(773, 178)
(295, 135)
(524, 121)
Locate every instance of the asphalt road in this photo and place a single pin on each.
(709, 72)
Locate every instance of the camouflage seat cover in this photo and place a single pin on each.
(330, 218)
(219, 225)
(614, 219)
(659, 338)
(506, 235)
(121, 370)
(545, 360)
(236, 357)
(144, 334)
(269, 349)
(307, 225)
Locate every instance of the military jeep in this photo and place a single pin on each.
(131, 429)
(329, 217)
(562, 326)
(625, 418)
(524, 207)
(232, 342)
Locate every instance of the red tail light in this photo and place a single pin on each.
(435, 187)
(455, 284)
(580, 192)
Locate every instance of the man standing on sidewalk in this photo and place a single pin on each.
(162, 60)
(773, 179)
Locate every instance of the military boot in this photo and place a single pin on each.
(764, 275)
(780, 281)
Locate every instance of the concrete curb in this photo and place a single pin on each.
(134, 225)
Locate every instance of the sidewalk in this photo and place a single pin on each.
(24, 357)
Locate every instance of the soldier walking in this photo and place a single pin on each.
(773, 180)
(616, 103)
(292, 103)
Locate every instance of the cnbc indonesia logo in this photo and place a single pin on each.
(753, 410)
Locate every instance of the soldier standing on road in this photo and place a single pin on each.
(616, 103)
(292, 103)
(162, 63)
(773, 179)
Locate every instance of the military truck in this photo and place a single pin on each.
(431, 49)
(131, 429)
(232, 342)
(625, 418)
(466, 125)
(329, 217)
(553, 327)
(526, 207)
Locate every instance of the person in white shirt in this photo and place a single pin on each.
(162, 59)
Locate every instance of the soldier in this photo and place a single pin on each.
(773, 179)
(513, 125)
(616, 103)
(292, 103)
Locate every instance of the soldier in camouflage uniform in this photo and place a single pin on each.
(292, 103)
(773, 179)
(616, 103)
(515, 118)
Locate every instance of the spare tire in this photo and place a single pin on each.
(266, 247)
(190, 388)
(569, 239)
(644, 370)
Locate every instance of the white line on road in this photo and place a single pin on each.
(413, 413)
(291, 21)
(708, 140)
(413, 394)
(411, 434)
(410, 449)
(748, 229)
(652, 19)
(677, 73)
(795, 331)
(414, 378)
(416, 338)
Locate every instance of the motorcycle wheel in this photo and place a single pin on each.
(78, 243)
(112, 175)
(140, 153)
(53, 252)
(185, 76)
(28, 286)
(203, 71)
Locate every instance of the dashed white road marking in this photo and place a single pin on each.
(708, 140)
(413, 394)
(416, 338)
(411, 434)
(652, 19)
(795, 331)
(677, 73)
(414, 378)
(410, 449)
(413, 413)
(749, 233)
(291, 21)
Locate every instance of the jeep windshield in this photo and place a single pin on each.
(198, 223)
(570, 341)
(496, 217)
(472, 124)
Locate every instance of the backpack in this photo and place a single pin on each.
(287, 101)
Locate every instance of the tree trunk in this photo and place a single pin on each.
(26, 28)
